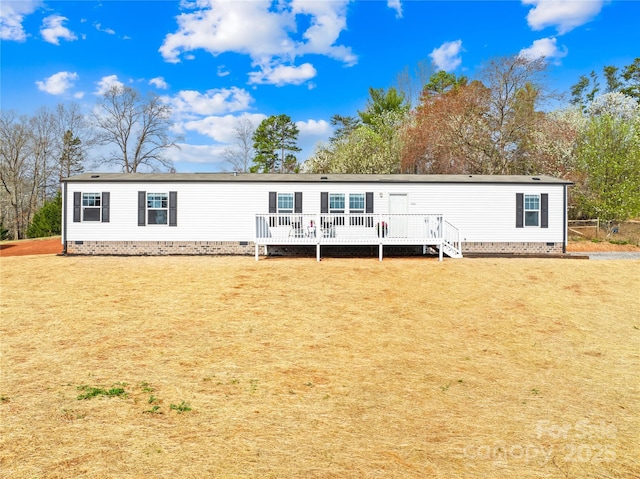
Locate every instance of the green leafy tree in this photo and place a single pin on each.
(4, 232)
(380, 102)
(608, 158)
(368, 149)
(441, 82)
(631, 75)
(343, 125)
(626, 81)
(275, 142)
(47, 220)
(585, 90)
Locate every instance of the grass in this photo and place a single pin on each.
(91, 392)
(348, 368)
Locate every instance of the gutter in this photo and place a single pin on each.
(64, 218)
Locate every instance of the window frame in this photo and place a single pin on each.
(531, 204)
(151, 207)
(361, 199)
(336, 209)
(289, 198)
(91, 201)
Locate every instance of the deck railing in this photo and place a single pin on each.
(356, 229)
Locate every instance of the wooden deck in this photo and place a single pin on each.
(358, 229)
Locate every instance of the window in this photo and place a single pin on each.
(531, 210)
(91, 206)
(336, 203)
(356, 203)
(285, 202)
(157, 208)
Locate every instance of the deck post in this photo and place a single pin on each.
(440, 251)
(318, 251)
(380, 252)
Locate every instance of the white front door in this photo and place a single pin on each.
(398, 205)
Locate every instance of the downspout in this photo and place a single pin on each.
(64, 218)
(565, 233)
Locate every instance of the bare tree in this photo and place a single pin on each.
(410, 83)
(14, 168)
(43, 153)
(517, 88)
(75, 138)
(240, 156)
(26, 166)
(139, 128)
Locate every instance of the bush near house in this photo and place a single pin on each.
(48, 220)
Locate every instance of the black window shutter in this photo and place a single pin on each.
(297, 202)
(77, 209)
(142, 208)
(368, 202)
(324, 202)
(105, 206)
(544, 210)
(273, 202)
(519, 210)
(173, 208)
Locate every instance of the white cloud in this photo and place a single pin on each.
(221, 128)
(544, 48)
(213, 102)
(58, 83)
(159, 82)
(195, 155)
(267, 35)
(108, 82)
(283, 75)
(447, 56)
(565, 15)
(241, 27)
(314, 128)
(52, 30)
(102, 29)
(327, 20)
(221, 71)
(12, 14)
(395, 5)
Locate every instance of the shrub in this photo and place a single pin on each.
(48, 219)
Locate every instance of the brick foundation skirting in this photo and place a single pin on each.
(512, 247)
(197, 248)
(160, 248)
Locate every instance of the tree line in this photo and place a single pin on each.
(500, 123)
(432, 122)
(37, 151)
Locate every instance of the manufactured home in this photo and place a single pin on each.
(237, 213)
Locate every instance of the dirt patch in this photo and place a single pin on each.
(30, 247)
(601, 246)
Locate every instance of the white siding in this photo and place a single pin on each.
(225, 211)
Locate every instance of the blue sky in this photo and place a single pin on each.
(216, 62)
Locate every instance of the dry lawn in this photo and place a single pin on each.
(348, 368)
